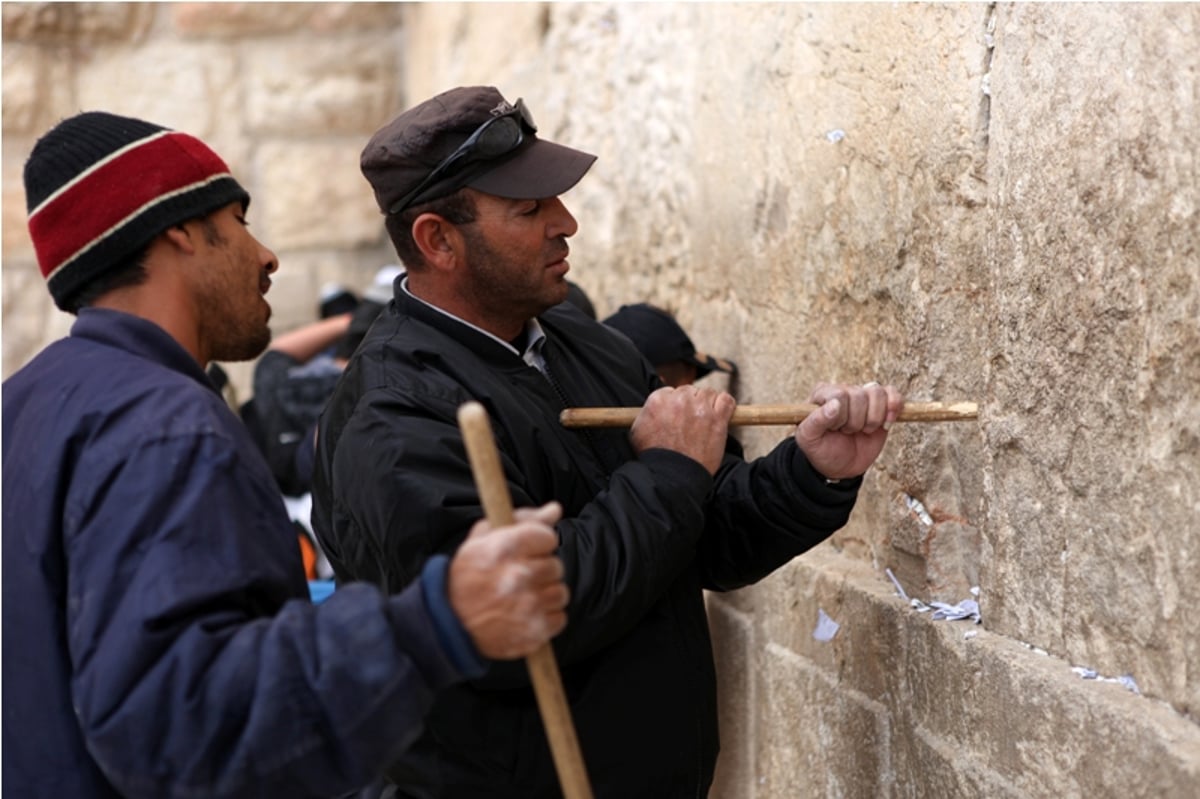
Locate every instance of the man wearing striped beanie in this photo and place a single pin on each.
(157, 634)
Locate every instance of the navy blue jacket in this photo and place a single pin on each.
(642, 536)
(157, 637)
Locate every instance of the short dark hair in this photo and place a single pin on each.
(457, 208)
(133, 271)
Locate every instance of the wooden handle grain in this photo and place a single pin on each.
(773, 414)
(543, 668)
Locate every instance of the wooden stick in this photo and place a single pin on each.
(543, 668)
(773, 414)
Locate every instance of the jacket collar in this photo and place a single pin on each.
(140, 337)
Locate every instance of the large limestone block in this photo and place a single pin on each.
(27, 305)
(839, 207)
(219, 20)
(854, 596)
(37, 87)
(323, 199)
(733, 636)
(321, 86)
(964, 707)
(815, 737)
(193, 88)
(18, 246)
(1093, 420)
(458, 44)
(78, 23)
(31, 320)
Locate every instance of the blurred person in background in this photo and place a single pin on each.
(292, 382)
(663, 342)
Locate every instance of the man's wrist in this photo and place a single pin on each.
(453, 637)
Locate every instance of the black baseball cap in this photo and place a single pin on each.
(405, 152)
(661, 340)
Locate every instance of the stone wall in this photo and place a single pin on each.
(986, 202)
(287, 93)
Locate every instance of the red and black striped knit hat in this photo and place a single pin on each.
(99, 187)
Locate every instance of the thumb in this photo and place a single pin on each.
(547, 514)
(479, 529)
(819, 422)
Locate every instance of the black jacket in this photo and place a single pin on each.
(641, 537)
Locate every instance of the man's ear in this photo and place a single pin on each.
(180, 237)
(438, 240)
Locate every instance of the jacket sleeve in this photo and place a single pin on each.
(195, 670)
(401, 484)
(628, 545)
(765, 512)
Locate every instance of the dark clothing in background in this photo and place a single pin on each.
(158, 639)
(288, 398)
(642, 536)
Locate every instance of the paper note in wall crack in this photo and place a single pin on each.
(826, 627)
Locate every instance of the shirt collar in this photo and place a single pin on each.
(534, 334)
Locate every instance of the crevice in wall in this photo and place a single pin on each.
(983, 119)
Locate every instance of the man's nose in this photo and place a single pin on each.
(268, 258)
(562, 223)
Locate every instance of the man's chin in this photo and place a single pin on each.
(246, 349)
(556, 294)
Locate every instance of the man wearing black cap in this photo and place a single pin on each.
(652, 516)
(663, 343)
(158, 639)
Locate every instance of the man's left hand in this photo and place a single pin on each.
(845, 435)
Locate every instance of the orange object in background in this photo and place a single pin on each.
(308, 553)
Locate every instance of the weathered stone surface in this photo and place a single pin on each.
(737, 716)
(963, 707)
(17, 247)
(1092, 436)
(309, 86)
(37, 87)
(24, 312)
(193, 89)
(238, 20)
(452, 44)
(806, 715)
(78, 23)
(337, 209)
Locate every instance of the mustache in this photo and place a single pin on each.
(559, 249)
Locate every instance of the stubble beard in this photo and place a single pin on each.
(249, 346)
(493, 287)
(242, 338)
(234, 333)
(236, 327)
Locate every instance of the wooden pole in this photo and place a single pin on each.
(543, 668)
(773, 414)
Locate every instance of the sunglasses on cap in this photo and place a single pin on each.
(498, 136)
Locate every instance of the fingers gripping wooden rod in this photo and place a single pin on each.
(543, 668)
(773, 414)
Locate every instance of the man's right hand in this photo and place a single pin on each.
(506, 587)
(688, 420)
